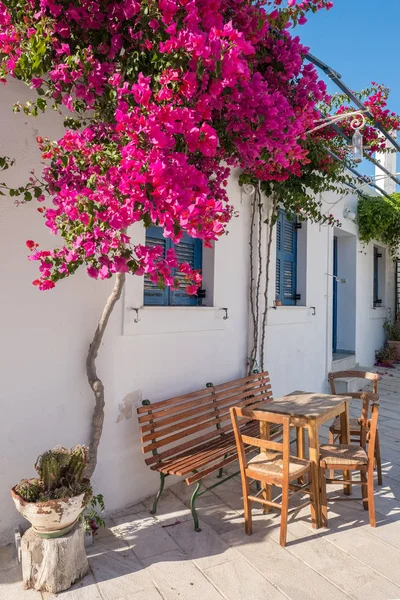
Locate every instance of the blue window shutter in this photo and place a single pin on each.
(278, 279)
(377, 301)
(153, 295)
(188, 250)
(286, 265)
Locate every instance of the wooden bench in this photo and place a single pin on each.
(191, 436)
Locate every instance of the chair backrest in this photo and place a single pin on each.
(171, 426)
(371, 435)
(241, 416)
(374, 377)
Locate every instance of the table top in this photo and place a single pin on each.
(304, 404)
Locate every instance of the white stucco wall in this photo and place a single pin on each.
(299, 343)
(44, 396)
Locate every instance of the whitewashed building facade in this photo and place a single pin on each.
(160, 351)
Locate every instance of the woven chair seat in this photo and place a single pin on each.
(271, 464)
(343, 454)
(355, 427)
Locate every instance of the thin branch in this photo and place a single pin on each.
(266, 290)
(95, 383)
(252, 307)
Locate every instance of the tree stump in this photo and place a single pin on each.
(53, 565)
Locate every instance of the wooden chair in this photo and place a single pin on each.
(273, 465)
(355, 426)
(348, 457)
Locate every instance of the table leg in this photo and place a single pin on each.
(313, 441)
(345, 439)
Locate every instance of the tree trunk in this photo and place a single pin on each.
(53, 565)
(95, 383)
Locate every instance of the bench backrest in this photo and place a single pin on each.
(172, 426)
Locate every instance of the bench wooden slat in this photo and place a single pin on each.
(237, 382)
(180, 412)
(210, 470)
(208, 454)
(183, 434)
(176, 405)
(172, 401)
(189, 457)
(190, 444)
(206, 412)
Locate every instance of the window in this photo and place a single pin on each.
(286, 260)
(188, 250)
(378, 284)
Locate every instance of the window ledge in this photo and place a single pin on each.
(287, 315)
(154, 320)
(378, 312)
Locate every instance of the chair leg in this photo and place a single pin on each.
(193, 506)
(364, 489)
(331, 441)
(324, 501)
(301, 445)
(248, 522)
(160, 491)
(284, 514)
(267, 495)
(378, 458)
(371, 499)
(313, 494)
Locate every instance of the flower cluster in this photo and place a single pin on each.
(375, 101)
(163, 98)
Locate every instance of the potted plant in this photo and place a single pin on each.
(53, 501)
(90, 519)
(392, 330)
(386, 356)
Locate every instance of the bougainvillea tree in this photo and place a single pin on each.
(160, 99)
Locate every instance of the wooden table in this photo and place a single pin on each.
(309, 411)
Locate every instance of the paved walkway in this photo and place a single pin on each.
(139, 557)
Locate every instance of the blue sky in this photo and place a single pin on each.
(359, 39)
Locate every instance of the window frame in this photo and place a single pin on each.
(377, 302)
(284, 256)
(168, 297)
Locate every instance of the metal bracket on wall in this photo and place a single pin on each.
(226, 316)
(136, 318)
(314, 310)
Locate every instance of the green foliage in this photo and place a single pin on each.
(386, 354)
(30, 489)
(392, 330)
(300, 195)
(90, 518)
(379, 219)
(60, 474)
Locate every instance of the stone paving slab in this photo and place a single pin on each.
(140, 557)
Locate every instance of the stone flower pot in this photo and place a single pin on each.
(50, 519)
(396, 348)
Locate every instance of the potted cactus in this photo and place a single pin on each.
(53, 501)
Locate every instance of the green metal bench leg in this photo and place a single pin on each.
(221, 469)
(193, 506)
(160, 491)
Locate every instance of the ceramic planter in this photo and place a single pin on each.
(50, 519)
(396, 348)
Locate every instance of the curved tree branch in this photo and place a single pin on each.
(95, 383)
